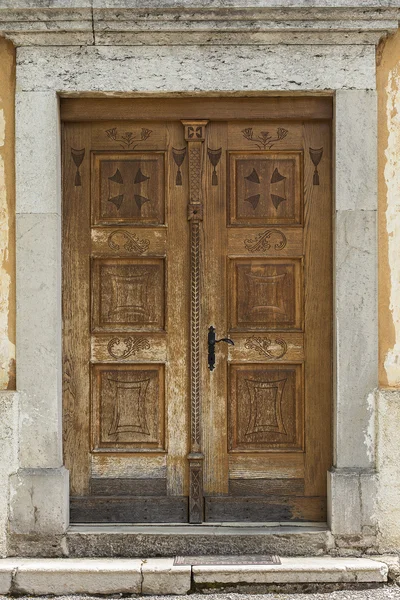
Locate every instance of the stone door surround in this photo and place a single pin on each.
(313, 56)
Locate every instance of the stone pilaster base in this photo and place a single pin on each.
(351, 507)
(39, 502)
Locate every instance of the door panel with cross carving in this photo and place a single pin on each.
(267, 240)
(217, 215)
(126, 366)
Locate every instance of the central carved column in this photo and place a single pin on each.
(195, 136)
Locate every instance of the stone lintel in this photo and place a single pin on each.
(120, 22)
(126, 70)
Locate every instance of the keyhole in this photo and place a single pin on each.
(195, 212)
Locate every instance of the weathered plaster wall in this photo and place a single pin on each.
(388, 395)
(8, 399)
(7, 218)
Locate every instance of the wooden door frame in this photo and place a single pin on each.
(352, 459)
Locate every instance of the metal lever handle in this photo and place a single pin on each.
(211, 346)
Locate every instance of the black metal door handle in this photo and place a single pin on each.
(211, 346)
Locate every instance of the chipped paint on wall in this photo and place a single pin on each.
(7, 217)
(392, 181)
(388, 84)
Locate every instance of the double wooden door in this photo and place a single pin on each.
(179, 215)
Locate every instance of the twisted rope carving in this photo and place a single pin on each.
(195, 331)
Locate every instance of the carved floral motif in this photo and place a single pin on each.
(121, 348)
(132, 242)
(128, 140)
(264, 141)
(264, 346)
(261, 243)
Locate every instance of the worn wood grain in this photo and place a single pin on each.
(128, 241)
(268, 241)
(318, 310)
(114, 465)
(129, 347)
(268, 346)
(266, 466)
(265, 509)
(76, 305)
(266, 487)
(258, 183)
(128, 487)
(128, 509)
(122, 109)
(177, 318)
(214, 307)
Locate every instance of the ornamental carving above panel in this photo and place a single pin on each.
(121, 348)
(128, 139)
(265, 240)
(265, 188)
(265, 407)
(131, 190)
(129, 406)
(264, 140)
(265, 347)
(128, 241)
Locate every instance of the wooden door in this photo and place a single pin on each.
(218, 214)
(268, 271)
(125, 307)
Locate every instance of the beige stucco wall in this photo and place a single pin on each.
(388, 396)
(7, 218)
(8, 399)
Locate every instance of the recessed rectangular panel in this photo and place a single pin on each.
(265, 407)
(265, 188)
(265, 294)
(128, 406)
(128, 294)
(129, 188)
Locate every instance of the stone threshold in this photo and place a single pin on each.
(303, 539)
(62, 576)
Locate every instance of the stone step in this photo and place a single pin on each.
(134, 541)
(61, 576)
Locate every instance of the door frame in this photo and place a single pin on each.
(83, 112)
(39, 322)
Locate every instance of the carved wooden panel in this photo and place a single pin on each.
(128, 241)
(267, 347)
(265, 293)
(128, 406)
(128, 347)
(265, 407)
(265, 187)
(268, 241)
(129, 188)
(128, 294)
